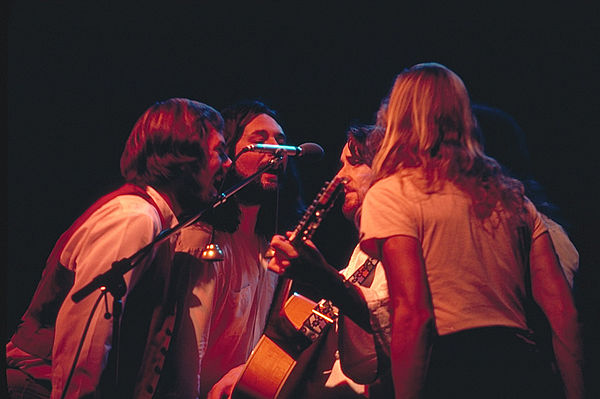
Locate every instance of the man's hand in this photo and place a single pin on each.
(284, 251)
(224, 387)
(303, 261)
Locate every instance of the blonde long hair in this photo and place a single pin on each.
(429, 126)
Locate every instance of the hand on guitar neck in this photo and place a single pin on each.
(296, 323)
(305, 257)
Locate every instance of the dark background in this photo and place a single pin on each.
(80, 73)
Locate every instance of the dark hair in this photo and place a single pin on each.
(169, 136)
(363, 143)
(238, 116)
(287, 212)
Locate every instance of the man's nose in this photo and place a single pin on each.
(273, 141)
(343, 172)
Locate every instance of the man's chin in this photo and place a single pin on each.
(349, 211)
(256, 191)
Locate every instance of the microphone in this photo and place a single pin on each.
(309, 151)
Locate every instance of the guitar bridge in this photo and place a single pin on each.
(321, 315)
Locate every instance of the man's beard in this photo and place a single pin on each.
(191, 197)
(226, 217)
(254, 193)
(352, 211)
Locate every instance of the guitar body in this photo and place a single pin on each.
(274, 369)
(271, 372)
(266, 371)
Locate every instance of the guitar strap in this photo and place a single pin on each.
(325, 312)
(363, 272)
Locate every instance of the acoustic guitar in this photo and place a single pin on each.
(274, 366)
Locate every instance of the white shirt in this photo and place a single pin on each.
(228, 304)
(377, 298)
(475, 269)
(117, 230)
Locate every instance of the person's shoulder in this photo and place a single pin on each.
(132, 203)
(531, 210)
(399, 185)
(128, 208)
(388, 183)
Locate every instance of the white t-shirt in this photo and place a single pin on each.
(475, 268)
(376, 294)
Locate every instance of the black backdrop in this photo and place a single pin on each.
(80, 73)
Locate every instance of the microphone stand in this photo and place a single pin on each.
(112, 280)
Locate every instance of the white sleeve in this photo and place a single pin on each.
(386, 213)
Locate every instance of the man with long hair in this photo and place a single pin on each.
(228, 301)
(351, 357)
(170, 163)
(464, 251)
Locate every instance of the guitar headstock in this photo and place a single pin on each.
(318, 209)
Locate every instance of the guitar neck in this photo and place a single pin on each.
(304, 230)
